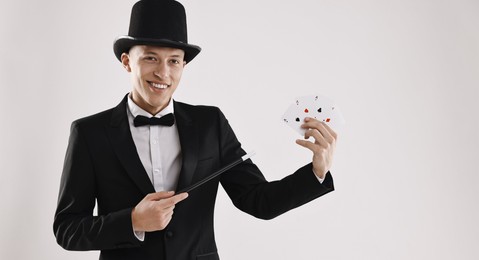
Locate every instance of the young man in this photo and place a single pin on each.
(130, 159)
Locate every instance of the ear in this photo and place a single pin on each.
(125, 61)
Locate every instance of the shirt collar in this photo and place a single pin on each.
(135, 110)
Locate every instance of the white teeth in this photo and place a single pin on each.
(160, 86)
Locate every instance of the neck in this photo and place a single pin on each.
(152, 109)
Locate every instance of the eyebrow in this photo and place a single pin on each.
(154, 53)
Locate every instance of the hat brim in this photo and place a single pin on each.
(124, 43)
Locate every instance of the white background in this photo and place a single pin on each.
(404, 72)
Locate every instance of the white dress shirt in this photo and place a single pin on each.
(158, 148)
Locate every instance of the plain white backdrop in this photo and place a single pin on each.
(404, 72)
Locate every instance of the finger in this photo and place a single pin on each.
(173, 200)
(331, 131)
(169, 215)
(307, 144)
(165, 213)
(159, 195)
(168, 208)
(179, 197)
(167, 220)
(322, 127)
(318, 137)
(311, 122)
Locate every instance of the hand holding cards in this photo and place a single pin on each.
(318, 107)
(318, 110)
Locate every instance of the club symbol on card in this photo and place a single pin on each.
(297, 119)
(319, 110)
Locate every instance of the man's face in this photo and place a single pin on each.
(155, 75)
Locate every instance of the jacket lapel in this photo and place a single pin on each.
(189, 142)
(120, 136)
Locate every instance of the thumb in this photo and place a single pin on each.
(305, 144)
(159, 195)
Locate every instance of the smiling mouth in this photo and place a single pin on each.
(158, 85)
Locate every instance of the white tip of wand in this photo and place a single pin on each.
(248, 155)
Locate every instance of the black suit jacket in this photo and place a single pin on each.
(102, 166)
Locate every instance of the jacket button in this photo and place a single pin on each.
(169, 234)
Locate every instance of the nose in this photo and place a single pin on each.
(162, 71)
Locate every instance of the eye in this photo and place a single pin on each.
(149, 58)
(175, 61)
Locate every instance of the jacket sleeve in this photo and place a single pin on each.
(251, 193)
(74, 225)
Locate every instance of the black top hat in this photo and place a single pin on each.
(159, 23)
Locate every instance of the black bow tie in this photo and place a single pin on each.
(166, 120)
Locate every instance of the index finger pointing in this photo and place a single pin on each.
(174, 199)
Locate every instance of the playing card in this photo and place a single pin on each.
(314, 106)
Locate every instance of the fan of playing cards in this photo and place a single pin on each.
(315, 106)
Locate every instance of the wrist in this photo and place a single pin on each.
(318, 174)
(134, 222)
